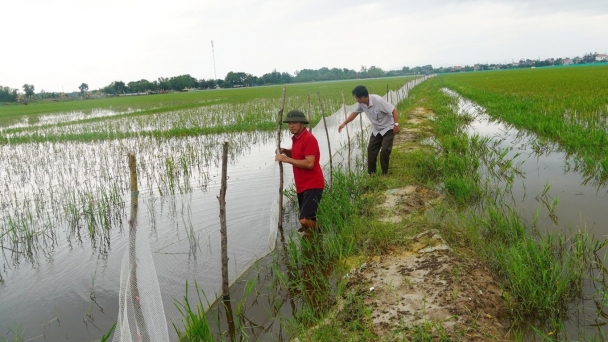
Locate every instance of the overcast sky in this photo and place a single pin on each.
(56, 45)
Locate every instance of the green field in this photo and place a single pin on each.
(565, 105)
(265, 98)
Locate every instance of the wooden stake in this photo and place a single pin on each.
(230, 318)
(133, 171)
(347, 133)
(309, 114)
(362, 136)
(280, 223)
(331, 169)
(223, 229)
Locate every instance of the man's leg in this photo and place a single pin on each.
(373, 147)
(385, 153)
(309, 202)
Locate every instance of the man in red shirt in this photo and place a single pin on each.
(304, 155)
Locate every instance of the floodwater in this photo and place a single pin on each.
(581, 198)
(575, 201)
(61, 279)
(73, 294)
(53, 119)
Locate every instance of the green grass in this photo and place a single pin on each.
(194, 318)
(541, 275)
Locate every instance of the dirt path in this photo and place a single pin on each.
(425, 282)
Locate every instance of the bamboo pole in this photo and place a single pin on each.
(331, 170)
(347, 133)
(362, 137)
(309, 114)
(223, 229)
(388, 96)
(230, 318)
(133, 171)
(224, 242)
(291, 270)
(280, 116)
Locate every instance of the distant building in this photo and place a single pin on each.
(601, 57)
(567, 61)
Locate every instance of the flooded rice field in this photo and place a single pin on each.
(554, 193)
(62, 258)
(551, 181)
(69, 221)
(53, 119)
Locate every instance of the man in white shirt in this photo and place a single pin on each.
(385, 124)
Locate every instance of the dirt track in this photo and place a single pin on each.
(426, 281)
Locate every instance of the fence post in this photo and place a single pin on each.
(224, 234)
(309, 115)
(347, 133)
(280, 121)
(223, 229)
(331, 169)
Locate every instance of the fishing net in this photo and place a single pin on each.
(147, 303)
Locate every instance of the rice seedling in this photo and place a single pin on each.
(197, 326)
(16, 333)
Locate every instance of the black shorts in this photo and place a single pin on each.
(308, 200)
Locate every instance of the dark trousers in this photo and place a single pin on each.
(382, 144)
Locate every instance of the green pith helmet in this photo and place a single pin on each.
(295, 116)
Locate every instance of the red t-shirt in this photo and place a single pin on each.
(305, 144)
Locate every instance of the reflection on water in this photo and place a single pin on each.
(558, 193)
(53, 119)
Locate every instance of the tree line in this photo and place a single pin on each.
(8, 94)
(232, 80)
(243, 79)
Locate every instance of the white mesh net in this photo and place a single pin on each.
(141, 316)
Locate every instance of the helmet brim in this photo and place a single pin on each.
(304, 122)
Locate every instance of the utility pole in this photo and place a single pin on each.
(213, 53)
